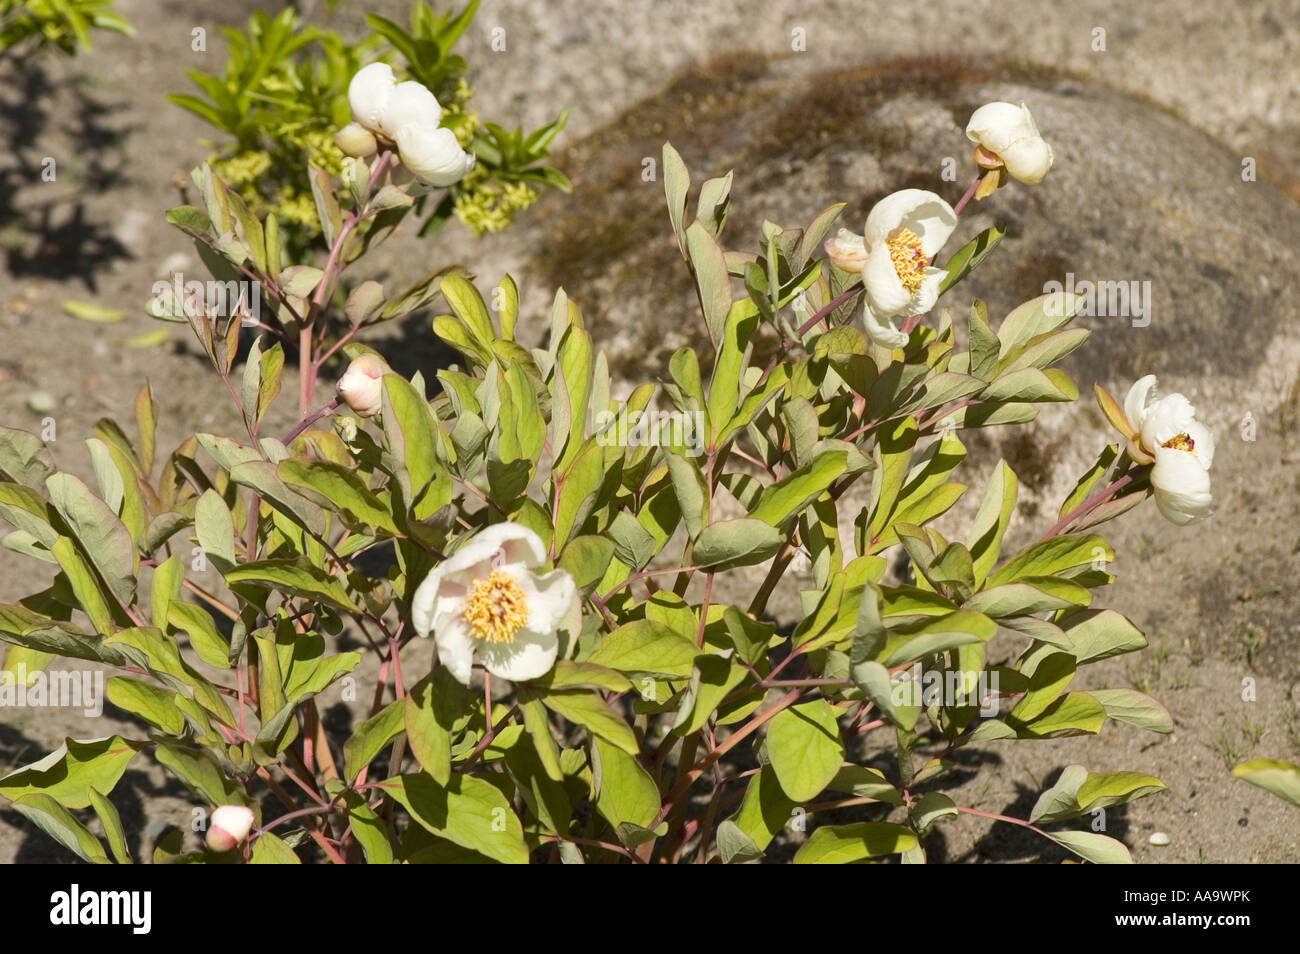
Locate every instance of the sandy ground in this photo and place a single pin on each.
(1218, 608)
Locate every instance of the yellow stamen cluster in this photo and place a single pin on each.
(1182, 442)
(496, 608)
(909, 259)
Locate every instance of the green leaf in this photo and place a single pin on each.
(200, 771)
(1037, 317)
(803, 744)
(341, 489)
(586, 559)
(711, 278)
(1135, 708)
(369, 830)
(766, 809)
(408, 433)
(1272, 775)
(469, 811)
(789, 496)
(623, 790)
(646, 648)
(430, 713)
(371, 736)
(70, 772)
(1090, 846)
(677, 183)
(57, 822)
(587, 709)
(1052, 556)
(155, 705)
(270, 850)
(966, 258)
(100, 535)
(1099, 634)
(849, 844)
(24, 459)
(1076, 792)
(112, 822)
(734, 846)
(688, 484)
(198, 624)
(296, 576)
(743, 541)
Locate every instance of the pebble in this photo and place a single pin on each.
(1159, 839)
(40, 402)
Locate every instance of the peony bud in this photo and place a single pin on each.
(847, 250)
(356, 141)
(434, 156)
(1006, 131)
(362, 385)
(230, 826)
(410, 104)
(369, 93)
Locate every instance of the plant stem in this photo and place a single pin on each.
(1090, 504)
(970, 194)
(834, 303)
(310, 419)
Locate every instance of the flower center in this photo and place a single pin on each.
(909, 259)
(496, 608)
(1182, 442)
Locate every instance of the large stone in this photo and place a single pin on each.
(1136, 195)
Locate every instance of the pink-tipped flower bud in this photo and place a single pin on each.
(847, 250)
(362, 385)
(356, 141)
(229, 827)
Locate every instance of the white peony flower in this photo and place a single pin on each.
(229, 827)
(369, 93)
(847, 250)
(410, 105)
(1181, 447)
(1007, 132)
(904, 231)
(486, 603)
(433, 154)
(362, 385)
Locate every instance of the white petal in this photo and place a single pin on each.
(884, 334)
(932, 220)
(1165, 419)
(885, 293)
(1027, 159)
(424, 603)
(516, 543)
(1181, 485)
(410, 104)
(1135, 403)
(433, 155)
(369, 93)
(549, 596)
(927, 294)
(529, 655)
(887, 215)
(1203, 439)
(456, 648)
(996, 125)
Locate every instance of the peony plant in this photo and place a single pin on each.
(605, 677)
